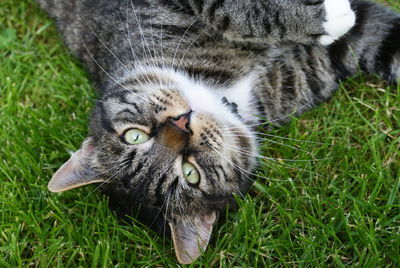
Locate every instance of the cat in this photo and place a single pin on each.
(184, 86)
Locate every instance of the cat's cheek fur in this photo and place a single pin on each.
(340, 18)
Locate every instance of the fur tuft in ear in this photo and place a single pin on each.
(77, 171)
(191, 236)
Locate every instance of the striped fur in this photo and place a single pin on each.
(245, 60)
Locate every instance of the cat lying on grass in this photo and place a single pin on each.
(185, 85)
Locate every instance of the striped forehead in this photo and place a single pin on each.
(126, 109)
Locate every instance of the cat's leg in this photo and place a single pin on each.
(372, 46)
(274, 21)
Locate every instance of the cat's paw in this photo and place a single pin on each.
(340, 18)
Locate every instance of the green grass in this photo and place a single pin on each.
(341, 208)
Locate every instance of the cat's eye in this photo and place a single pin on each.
(136, 136)
(190, 173)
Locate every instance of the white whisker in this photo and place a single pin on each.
(232, 134)
(183, 36)
(105, 46)
(189, 46)
(110, 76)
(267, 121)
(233, 148)
(144, 40)
(241, 170)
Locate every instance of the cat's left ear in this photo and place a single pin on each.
(191, 236)
(77, 171)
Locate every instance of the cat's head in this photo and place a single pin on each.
(175, 149)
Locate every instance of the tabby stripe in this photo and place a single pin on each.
(186, 6)
(126, 179)
(250, 23)
(314, 83)
(139, 2)
(178, 6)
(138, 168)
(313, 3)
(216, 172)
(125, 111)
(288, 81)
(260, 106)
(132, 155)
(267, 25)
(124, 99)
(265, 19)
(216, 198)
(198, 5)
(211, 173)
(280, 25)
(225, 23)
(199, 72)
(387, 51)
(225, 175)
(214, 6)
(158, 191)
(171, 29)
(105, 122)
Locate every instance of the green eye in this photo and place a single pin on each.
(136, 136)
(190, 173)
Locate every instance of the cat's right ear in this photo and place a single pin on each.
(77, 171)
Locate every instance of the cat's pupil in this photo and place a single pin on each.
(190, 173)
(136, 136)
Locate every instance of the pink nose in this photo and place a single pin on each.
(182, 122)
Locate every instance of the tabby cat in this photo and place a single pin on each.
(184, 85)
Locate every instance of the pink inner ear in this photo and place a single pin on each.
(76, 171)
(191, 236)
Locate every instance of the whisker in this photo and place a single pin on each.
(162, 34)
(159, 211)
(127, 35)
(249, 153)
(280, 118)
(105, 46)
(183, 36)
(143, 38)
(278, 161)
(165, 218)
(110, 76)
(189, 46)
(274, 136)
(141, 31)
(110, 179)
(151, 25)
(241, 170)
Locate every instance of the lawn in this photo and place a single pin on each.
(336, 204)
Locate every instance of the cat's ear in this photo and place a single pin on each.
(191, 236)
(77, 171)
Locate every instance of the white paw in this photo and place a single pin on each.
(339, 20)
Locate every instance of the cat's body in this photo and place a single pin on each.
(210, 72)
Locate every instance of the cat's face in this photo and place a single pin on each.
(178, 153)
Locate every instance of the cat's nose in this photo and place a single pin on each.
(182, 122)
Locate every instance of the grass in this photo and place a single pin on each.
(343, 209)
